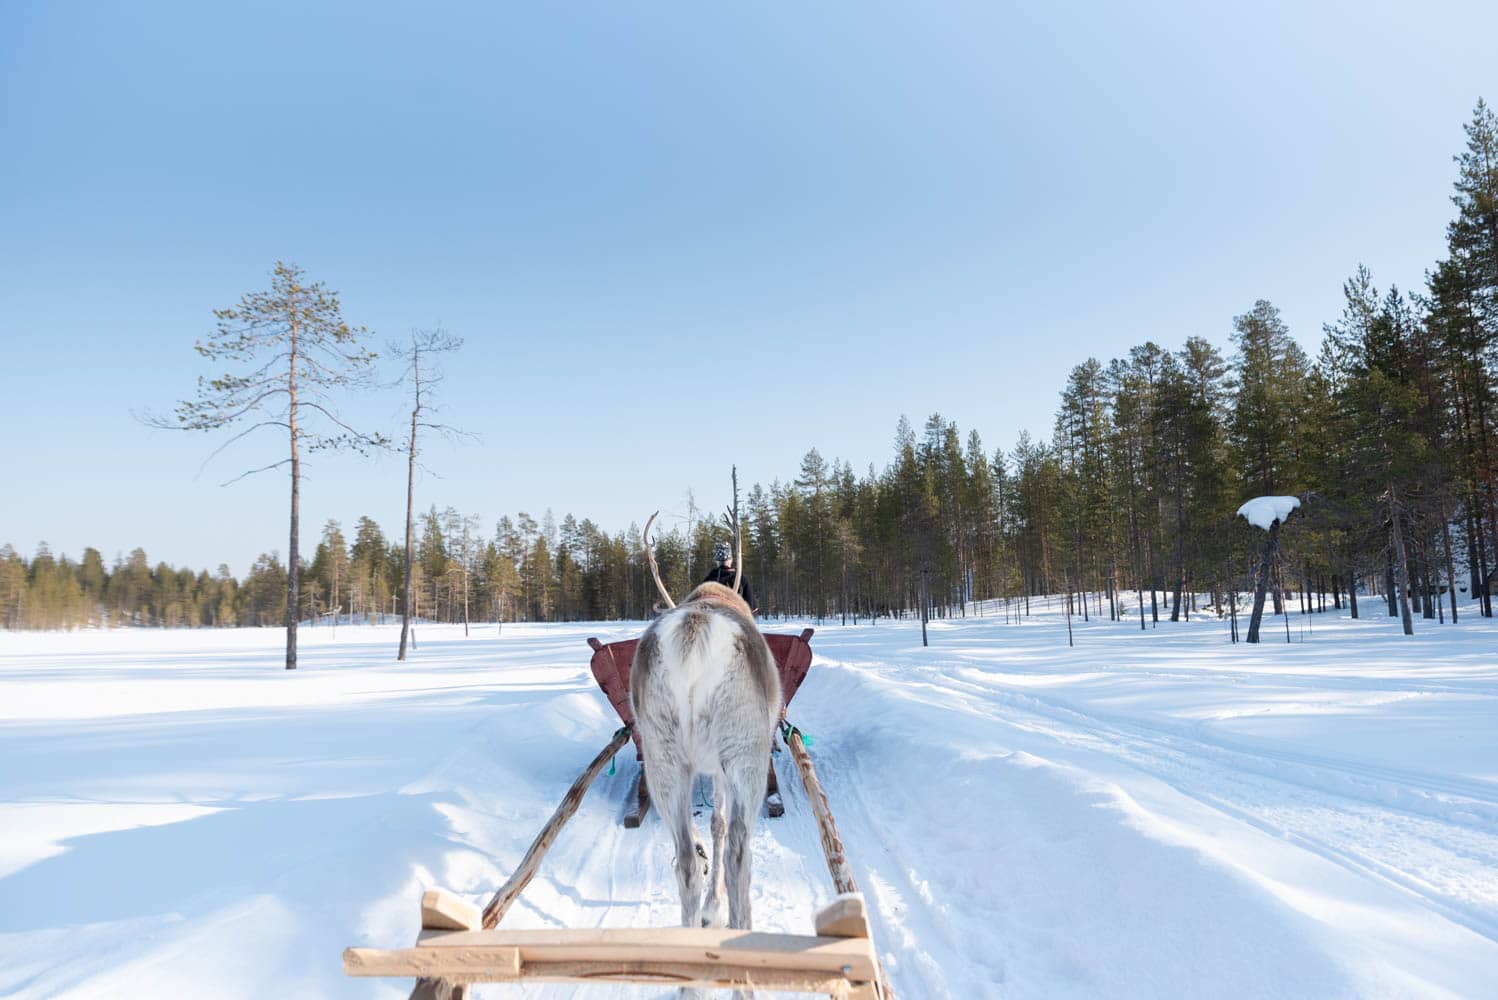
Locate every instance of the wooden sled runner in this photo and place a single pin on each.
(611, 663)
(460, 945)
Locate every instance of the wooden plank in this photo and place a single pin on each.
(684, 956)
(442, 911)
(752, 949)
(633, 819)
(844, 917)
(721, 977)
(442, 965)
(473, 969)
(511, 890)
(832, 842)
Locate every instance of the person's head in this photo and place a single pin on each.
(722, 554)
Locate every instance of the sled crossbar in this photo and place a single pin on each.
(710, 957)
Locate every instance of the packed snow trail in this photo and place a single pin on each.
(1146, 814)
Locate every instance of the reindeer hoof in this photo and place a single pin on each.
(712, 913)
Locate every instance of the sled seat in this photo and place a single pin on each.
(612, 660)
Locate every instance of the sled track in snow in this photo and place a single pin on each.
(1433, 838)
(1443, 825)
(1414, 792)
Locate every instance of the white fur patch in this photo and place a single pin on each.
(700, 666)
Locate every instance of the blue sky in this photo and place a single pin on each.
(674, 236)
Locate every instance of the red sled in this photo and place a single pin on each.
(611, 663)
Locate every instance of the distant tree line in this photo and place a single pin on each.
(1387, 435)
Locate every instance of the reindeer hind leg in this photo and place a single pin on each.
(743, 797)
(714, 910)
(673, 792)
(672, 788)
(746, 787)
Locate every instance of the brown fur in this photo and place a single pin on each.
(752, 647)
(693, 626)
(717, 594)
(647, 655)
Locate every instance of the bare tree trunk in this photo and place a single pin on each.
(1261, 582)
(1450, 562)
(1069, 640)
(1402, 564)
(1480, 578)
(1232, 606)
(1427, 581)
(1390, 590)
(1492, 508)
(845, 588)
(1180, 572)
(924, 602)
(410, 503)
(465, 579)
(293, 564)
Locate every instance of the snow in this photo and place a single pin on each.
(1262, 512)
(1149, 814)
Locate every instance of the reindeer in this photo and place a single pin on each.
(706, 698)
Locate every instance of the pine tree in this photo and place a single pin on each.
(1472, 236)
(1463, 308)
(330, 567)
(289, 352)
(812, 484)
(1268, 387)
(367, 584)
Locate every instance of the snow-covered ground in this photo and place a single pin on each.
(1157, 814)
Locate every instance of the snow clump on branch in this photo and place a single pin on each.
(1264, 511)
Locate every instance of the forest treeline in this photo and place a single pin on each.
(1386, 434)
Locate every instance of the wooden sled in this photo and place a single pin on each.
(838, 960)
(611, 663)
(460, 945)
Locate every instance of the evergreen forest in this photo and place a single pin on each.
(1386, 434)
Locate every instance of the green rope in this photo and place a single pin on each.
(617, 733)
(786, 729)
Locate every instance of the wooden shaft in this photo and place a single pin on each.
(832, 844)
(511, 890)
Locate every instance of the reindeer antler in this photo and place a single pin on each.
(655, 570)
(732, 524)
(738, 557)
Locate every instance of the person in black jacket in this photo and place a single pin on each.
(723, 573)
